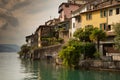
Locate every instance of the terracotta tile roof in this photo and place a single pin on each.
(104, 5)
(78, 9)
(83, 5)
(69, 4)
(88, 3)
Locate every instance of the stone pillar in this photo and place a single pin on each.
(101, 50)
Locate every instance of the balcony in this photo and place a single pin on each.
(110, 33)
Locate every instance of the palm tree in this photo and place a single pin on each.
(97, 35)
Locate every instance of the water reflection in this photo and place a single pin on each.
(13, 68)
(37, 70)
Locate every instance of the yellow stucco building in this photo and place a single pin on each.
(102, 17)
(96, 18)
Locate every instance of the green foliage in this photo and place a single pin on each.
(89, 50)
(33, 47)
(84, 34)
(97, 55)
(24, 49)
(61, 29)
(71, 52)
(67, 55)
(117, 42)
(79, 34)
(97, 35)
(117, 37)
(60, 40)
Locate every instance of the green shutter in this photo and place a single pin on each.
(101, 26)
(101, 13)
(105, 26)
(105, 13)
(91, 16)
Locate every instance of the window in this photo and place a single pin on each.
(109, 27)
(103, 13)
(110, 12)
(78, 18)
(73, 25)
(103, 26)
(88, 16)
(117, 10)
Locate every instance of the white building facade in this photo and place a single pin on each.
(76, 20)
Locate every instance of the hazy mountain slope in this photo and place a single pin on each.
(9, 48)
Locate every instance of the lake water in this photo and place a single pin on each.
(13, 68)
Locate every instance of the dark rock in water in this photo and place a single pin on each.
(9, 48)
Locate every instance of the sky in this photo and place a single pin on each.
(20, 18)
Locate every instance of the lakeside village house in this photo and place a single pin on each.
(77, 14)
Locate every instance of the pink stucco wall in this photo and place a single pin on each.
(66, 12)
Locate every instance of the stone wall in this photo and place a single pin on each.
(46, 52)
(99, 64)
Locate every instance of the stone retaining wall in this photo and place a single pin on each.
(87, 64)
(44, 52)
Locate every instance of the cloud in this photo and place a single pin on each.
(8, 7)
(7, 20)
(13, 4)
(20, 18)
(20, 4)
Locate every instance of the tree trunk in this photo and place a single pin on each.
(98, 43)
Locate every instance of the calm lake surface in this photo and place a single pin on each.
(13, 68)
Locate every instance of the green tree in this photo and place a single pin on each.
(70, 53)
(117, 37)
(83, 34)
(86, 48)
(97, 35)
(79, 34)
(24, 50)
(89, 50)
